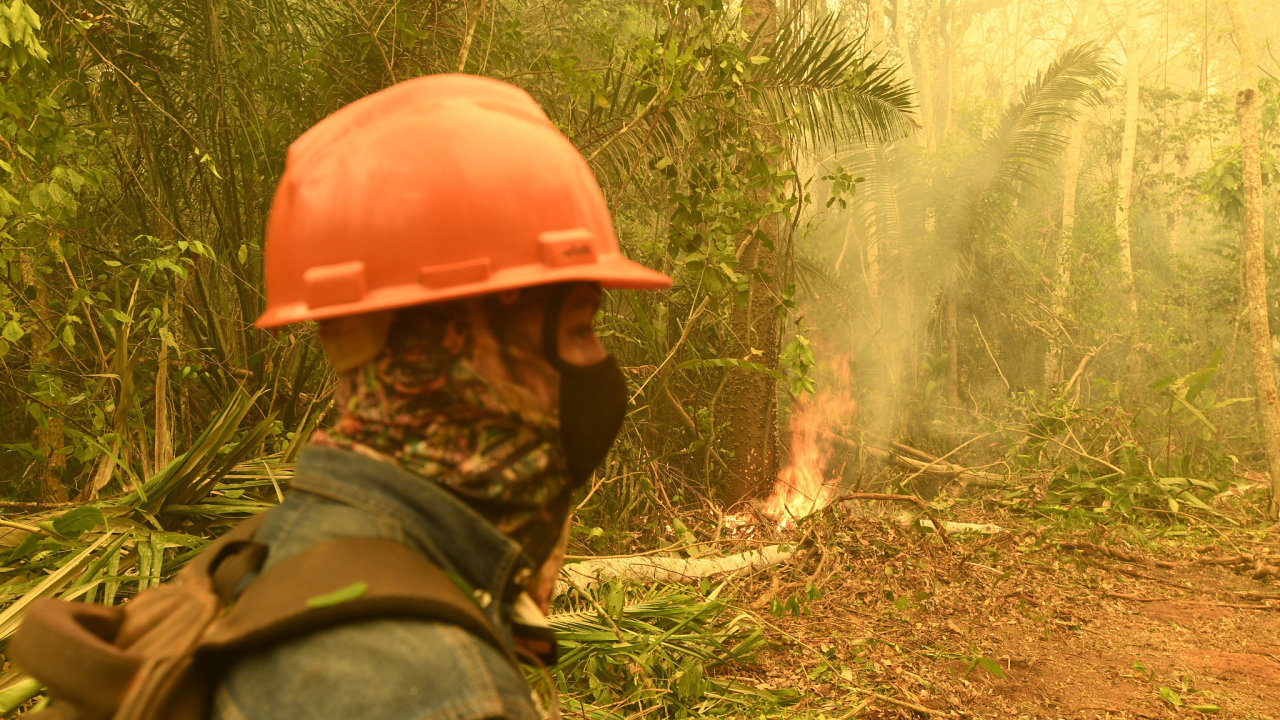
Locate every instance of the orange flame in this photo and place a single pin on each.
(802, 489)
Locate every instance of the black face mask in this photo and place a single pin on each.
(593, 398)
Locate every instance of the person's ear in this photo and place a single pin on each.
(354, 340)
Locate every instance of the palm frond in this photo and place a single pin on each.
(813, 80)
(1029, 138)
(651, 654)
(820, 80)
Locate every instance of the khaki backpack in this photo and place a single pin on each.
(158, 656)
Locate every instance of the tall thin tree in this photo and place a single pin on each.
(1128, 147)
(1249, 114)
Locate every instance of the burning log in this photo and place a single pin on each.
(590, 573)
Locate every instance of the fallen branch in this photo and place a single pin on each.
(1115, 553)
(898, 455)
(956, 528)
(1260, 566)
(1257, 596)
(903, 703)
(1207, 603)
(22, 505)
(1084, 363)
(590, 573)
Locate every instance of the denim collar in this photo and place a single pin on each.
(433, 520)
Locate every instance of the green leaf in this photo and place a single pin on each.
(13, 331)
(18, 693)
(1206, 709)
(341, 595)
(1170, 696)
(74, 522)
(990, 666)
(38, 196)
(57, 194)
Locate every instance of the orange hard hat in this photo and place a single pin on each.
(436, 188)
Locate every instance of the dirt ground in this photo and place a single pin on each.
(1025, 623)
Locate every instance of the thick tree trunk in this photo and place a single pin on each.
(1249, 114)
(751, 396)
(1062, 259)
(1128, 146)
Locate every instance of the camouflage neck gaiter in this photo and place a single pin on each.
(423, 403)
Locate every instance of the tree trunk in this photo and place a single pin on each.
(1062, 279)
(1189, 148)
(908, 63)
(872, 266)
(925, 75)
(945, 76)
(1128, 146)
(751, 396)
(1249, 114)
(875, 24)
(50, 438)
(952, 299)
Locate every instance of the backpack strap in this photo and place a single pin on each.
(341, 581)
(88, 655)
(228, 558)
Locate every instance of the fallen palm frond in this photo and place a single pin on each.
(664, 650)
(110, 549)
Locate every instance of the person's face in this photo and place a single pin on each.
(578, 343)
(576, 340)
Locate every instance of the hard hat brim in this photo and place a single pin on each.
(610, 271)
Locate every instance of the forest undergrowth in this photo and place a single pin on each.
(1060, 611)
(1010, 614)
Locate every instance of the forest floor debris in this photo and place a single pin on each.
(876, 620)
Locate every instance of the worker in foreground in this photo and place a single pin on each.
(452, 245)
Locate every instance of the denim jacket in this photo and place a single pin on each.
(392, 669)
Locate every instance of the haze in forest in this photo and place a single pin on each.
(927, 258)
